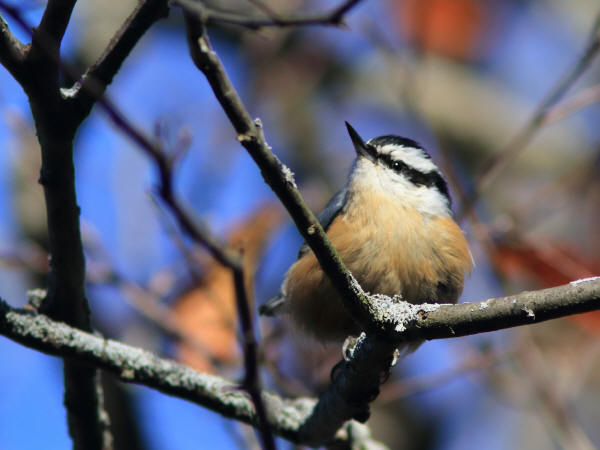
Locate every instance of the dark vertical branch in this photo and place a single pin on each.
(55, 20)
(56, 117)
(229, 258)
(65, 300)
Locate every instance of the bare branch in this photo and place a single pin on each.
(518, 143)
(134, 365)
(276, 175)
(95, 80)
(87, 420)
(210, 16)
(572, 104)
(405, 387)
(55, 20)
(231, 259)
(447, 321)
(56, 126)
(355, 382)
(12, 51)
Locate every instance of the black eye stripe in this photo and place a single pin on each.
(415, 176)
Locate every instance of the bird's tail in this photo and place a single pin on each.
(272, 306)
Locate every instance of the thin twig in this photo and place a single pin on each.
(561, 422)
(572, 104)
(149, 306)
(231, 259)
(518, 143)
(426, 383)
(94, 81)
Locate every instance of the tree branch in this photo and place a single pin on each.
(301, 420)
(525, 308)
(276, 175)
(231, 259)
(211, 16)
(54, 22)
(93, 83)
(221, 252)
(518, 143)
(87, 420)
(134, 365)
(56, 125)
(12, 51)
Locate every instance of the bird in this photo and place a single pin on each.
(393, 227)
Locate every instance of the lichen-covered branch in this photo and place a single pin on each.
(134, 365)
(355, 382)
(40, 77)
(525, 308)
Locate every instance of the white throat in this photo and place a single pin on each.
(377, 180)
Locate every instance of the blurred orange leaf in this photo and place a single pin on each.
(548, 264)
(449, 27)
(207, 311)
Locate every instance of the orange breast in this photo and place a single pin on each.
(423, 260)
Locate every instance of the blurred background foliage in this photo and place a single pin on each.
(460, 76)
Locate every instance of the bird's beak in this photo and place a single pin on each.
(361, 147)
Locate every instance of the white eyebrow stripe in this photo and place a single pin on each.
(413, 157)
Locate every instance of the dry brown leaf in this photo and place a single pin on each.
(207, 311)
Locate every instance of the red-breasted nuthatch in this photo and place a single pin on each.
(393, 227)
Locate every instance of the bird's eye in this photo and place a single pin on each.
(397, 166)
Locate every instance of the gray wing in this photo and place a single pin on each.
(330, 212)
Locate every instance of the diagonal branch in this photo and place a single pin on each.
(496, 164)
(55, 20)
(92, 85)
(231, 259)
(276, 175)
(221, 252)
(12, 51)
